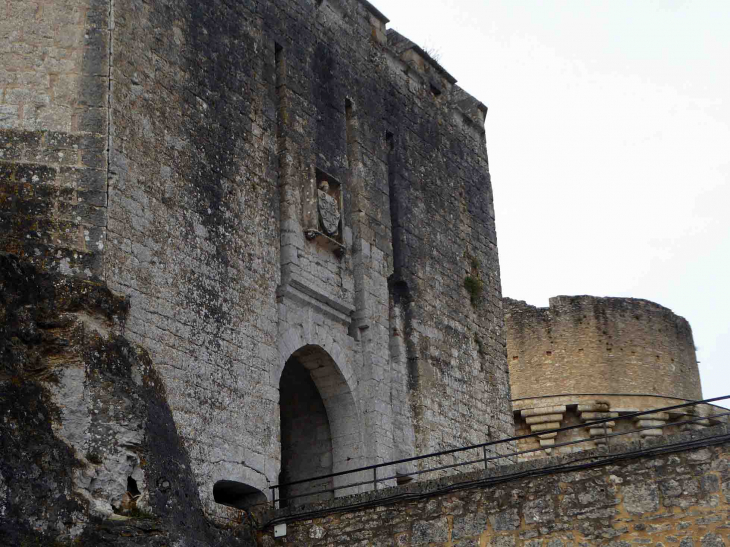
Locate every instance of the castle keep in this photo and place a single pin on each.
(585, 358)
(249, 242)
(286, 198)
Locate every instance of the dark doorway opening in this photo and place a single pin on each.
(306, 437)
(238, 494)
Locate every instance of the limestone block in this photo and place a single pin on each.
(547, 442)
(545, 427)
(608, 425)
(588, 416)
(654, 416)
(544, 419)
(641, 498)
(544, 410)
(593, 407)
(693, 427)
(651, 423)
(651, 433)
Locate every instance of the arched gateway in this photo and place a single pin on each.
(320, 426)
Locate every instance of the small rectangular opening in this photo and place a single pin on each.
(279, 63)
(397, 233)
(349, 125)
(389, 141)
(279, 94)
(435, 90)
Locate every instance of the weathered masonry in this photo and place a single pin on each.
(585, 344)
(287, 208)
(680, 497)
(586, 358)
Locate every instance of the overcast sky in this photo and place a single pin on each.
(608, 135)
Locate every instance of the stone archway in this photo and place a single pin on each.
(320, 425)
(239, 495)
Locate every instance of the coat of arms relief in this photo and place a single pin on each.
(329, 210)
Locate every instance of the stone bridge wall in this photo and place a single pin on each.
(680, 498)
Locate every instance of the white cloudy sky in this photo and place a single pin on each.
(609, 145)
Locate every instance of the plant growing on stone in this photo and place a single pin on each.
(473, 281)
(474, 286)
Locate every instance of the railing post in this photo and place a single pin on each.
(486, 462)
(605, 434)
(375, 478)
(273, 497)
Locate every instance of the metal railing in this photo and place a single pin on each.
(366, 478)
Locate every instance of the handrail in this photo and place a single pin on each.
(589, 424)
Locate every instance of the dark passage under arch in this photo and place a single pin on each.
(238, 494)
(306, 437)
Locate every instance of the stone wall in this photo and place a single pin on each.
(173, 151)
(678, 498)
(226, 116)
(193, 237)
(590, 345)
(54, 71)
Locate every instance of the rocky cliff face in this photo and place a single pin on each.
(90, 453)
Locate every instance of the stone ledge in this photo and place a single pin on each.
(329, 306)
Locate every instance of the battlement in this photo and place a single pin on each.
(375, 12)
(587, 344)
(416, 56)
(569, 304)
(427, 75)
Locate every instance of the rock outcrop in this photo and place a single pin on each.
(90, 452)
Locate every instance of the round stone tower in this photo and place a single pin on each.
(585, 358)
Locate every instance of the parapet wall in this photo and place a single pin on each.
(676, 498)
(590, 345)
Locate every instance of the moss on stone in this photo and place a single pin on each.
(475, 287)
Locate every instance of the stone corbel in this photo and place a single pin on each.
(590, 412)
(695, 414)
(656, 422)
(545, 419)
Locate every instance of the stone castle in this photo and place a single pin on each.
(585, 358)
(249, 242)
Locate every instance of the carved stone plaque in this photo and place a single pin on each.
(329, 210)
